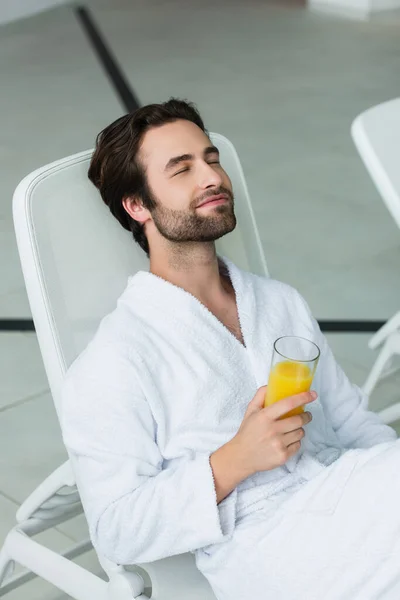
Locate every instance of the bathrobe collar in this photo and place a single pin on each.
(146, 289)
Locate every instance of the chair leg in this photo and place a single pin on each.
(376, 371)
(390, 414)
(122, 584)
(384, 332)
(126, 586)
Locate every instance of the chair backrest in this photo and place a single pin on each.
(76, 258)
(376, 134)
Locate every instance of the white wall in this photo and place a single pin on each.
(347, 8)
(353, 8)
(377, 5)
(10, 10)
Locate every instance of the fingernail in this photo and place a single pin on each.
(314, 395)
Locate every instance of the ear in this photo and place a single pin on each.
(134, 207)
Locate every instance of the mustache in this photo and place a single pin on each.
(214, 192)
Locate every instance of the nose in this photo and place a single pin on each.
(209, 176)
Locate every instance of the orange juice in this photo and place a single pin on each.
(286, 379)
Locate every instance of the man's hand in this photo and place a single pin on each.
(264, 441)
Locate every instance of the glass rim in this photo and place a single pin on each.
(298, 337)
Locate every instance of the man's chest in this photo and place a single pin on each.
(229, 317)
(227, 313)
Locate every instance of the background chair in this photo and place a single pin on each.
(76, 260)
(376, 134)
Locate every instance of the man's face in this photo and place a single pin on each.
(183, 171)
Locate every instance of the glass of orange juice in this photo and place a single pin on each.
(294, 361)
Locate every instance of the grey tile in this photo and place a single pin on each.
(75, 528)
(310, 190)
(321, 235)
(56, 100)
(386, 393)
(22, 372)
(355, 373)
(11, 268)
(15, 305)
(352, 350)
(356, 359)
(352, 347)
(351, 357)
(388, 17)
(51, 538)
(317, 209)
(30, 448)
(366, 289)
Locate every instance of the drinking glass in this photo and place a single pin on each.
(294, 361)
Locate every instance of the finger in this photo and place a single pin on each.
(293, 423)
(293, 436)
(293, 448)
(278, 409)
(258, 401)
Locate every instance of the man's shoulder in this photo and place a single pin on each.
(110, 345)
(273, 287)
(277, 297)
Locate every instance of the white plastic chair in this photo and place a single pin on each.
(376, 134)
(76, 260)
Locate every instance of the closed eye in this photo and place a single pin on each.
(211, 162)
(181, 171)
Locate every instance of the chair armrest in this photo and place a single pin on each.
(390, 327)
(60, 478)
(67, 576)
(390, 414)
(64, 574)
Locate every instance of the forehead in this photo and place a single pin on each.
(159, 144)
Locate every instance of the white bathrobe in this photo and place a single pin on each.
(162, 385)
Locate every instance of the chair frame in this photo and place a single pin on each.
(56, 499)
(387, 338)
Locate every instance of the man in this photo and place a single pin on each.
(163, 412)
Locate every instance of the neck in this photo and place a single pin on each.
(193, 267)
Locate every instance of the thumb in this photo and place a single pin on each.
(258, 401)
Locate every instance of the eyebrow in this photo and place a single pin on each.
(176, 160)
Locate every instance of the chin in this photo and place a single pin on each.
(216, 235)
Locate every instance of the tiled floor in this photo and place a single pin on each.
(284, 85)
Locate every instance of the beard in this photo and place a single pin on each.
(188, 226)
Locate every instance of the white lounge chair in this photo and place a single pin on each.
(76, 260)
(376, 134)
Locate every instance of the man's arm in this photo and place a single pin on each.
(345, 405)
(264, 441)
(226, 471)
(136, 510)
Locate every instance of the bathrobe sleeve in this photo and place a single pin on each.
(345, 404)
(137, 511)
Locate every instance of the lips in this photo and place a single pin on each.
(217, 198)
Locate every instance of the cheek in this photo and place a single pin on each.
(226, 180)
(165, 192)
(174, 196)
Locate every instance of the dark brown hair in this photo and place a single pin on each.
(115, 169)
